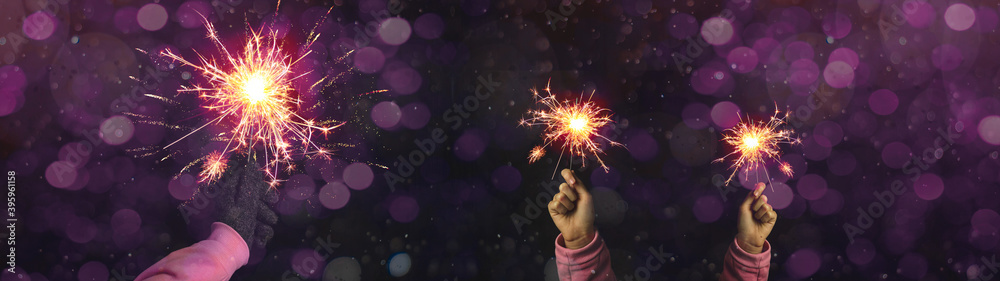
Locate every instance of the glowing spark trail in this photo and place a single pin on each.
(254, 89)
(573, 122)
(756, 142)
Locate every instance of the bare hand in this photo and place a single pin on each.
(755, 221)
(572, 210)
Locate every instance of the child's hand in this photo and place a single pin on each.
(572, 210)
(755, 222)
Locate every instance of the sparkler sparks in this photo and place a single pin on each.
(255, 91)
(756, 142)
(573, 122)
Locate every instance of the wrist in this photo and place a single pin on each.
(579, 240)
(749, 247)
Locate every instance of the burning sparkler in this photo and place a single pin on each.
(756, 142)
(255, 90)
(574, 122)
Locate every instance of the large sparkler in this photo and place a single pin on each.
(755, 142)
(575, 123)
(254, 89)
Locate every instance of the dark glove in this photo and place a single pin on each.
(241, 199)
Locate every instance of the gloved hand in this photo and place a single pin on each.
(242, 200)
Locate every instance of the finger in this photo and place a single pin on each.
(771, 216)
(263, 234)
(575, 184)
(761, 215)
(757, 191)
(271, 196)
(570, 193)
(564, 200)
(760, 202)
(266, 215)
(556, 207)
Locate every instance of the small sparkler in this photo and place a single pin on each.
(573, 122)
(255, 90)
(755, 142)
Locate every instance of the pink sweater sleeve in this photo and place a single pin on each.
(215, 258)
(592, 262)
(740, 265)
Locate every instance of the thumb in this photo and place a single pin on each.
(757, 191)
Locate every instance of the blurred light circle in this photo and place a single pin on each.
(707, 209)
(883, 102)
(306, 263)
(192, 14)
(836, 25)
(918, 13)
(696, 115)
(342, 269)
(300, 187)
(469, 146)
(895, 154)
(845, 55)
(841, 163)
(742, 59)
(802, 263)
(404, 80)
(989, 129)
(125, 221)
(838, 74)
(811, 187)
(928, 187)
(985, 222)
(429, 26)
(368, 59)
(725, 114)
(831, 203)
(358, 176)
(717, 31)
(946, 57)
(117, 130)
(152, 17)
(506, 178)
(182, 187)
(828, 133)
(39, 25)
(803, 72)
(642, 146)
(799, 50)
(861, 251)
(959, 17)
(779, 195)
(415, 115)
(334, 195)
(404, 209)
(399, 264)
(386, 114)
(93, 271)
(394, 31)
(60, 174)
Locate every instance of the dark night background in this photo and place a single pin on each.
(882, 93)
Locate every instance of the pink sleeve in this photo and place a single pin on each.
(592, 262)
(215, 258)
(740, 265)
